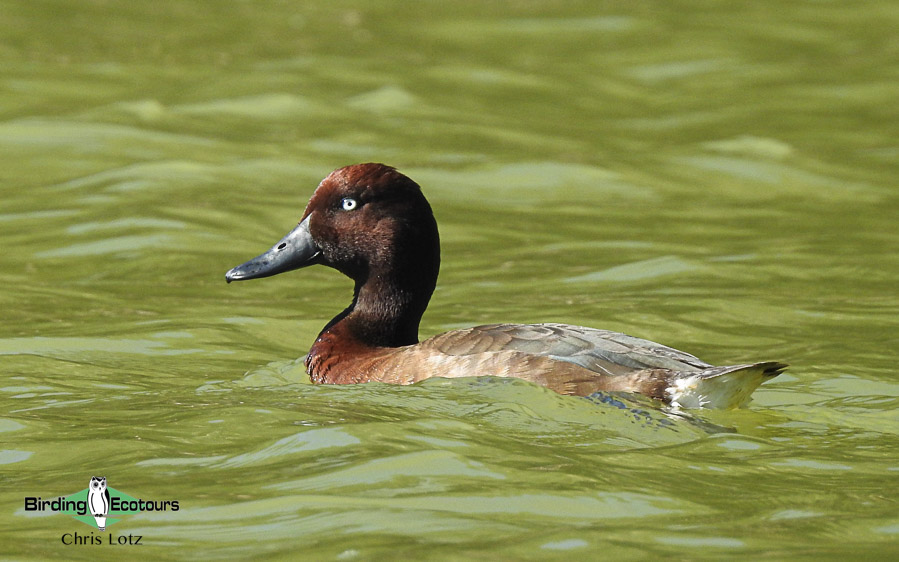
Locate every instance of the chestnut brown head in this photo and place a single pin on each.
(363, 220)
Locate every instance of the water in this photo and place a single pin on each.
(714, 177)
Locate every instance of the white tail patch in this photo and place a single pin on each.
(713, 388)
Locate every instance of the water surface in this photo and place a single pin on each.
(714, 177)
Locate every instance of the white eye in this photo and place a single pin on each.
(348, 204)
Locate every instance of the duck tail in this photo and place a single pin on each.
(720, 387)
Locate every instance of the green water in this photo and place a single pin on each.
(716, 176)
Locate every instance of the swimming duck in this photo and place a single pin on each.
(374, 225)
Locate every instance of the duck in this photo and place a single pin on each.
(374, 225)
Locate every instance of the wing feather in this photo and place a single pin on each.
(601, 351)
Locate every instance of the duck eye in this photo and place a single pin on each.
(348, 203)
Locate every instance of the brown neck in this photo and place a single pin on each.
(385, 312)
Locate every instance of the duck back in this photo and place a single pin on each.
(571, 360)
(580, 361)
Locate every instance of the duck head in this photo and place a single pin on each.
(374, 225)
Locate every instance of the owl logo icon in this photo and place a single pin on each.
(98, 500)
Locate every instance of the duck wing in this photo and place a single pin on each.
(601, 351)
(581, 361)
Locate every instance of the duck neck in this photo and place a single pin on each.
(386, 310)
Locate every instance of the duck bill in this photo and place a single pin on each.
(294, 251)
